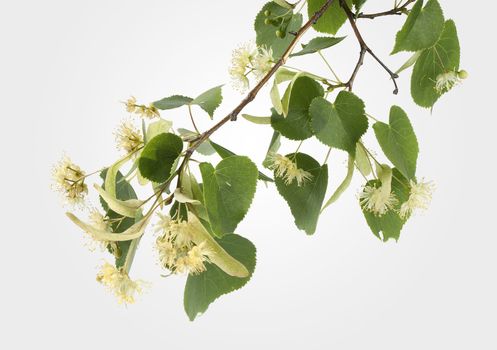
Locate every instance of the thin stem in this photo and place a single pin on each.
(397, 10)
(192, 119)
(365, 49)
(329, 67)
(327, 156)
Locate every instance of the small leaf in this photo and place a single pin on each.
(111, 173)
(305, 201)
(333, 18)
(129, 208)
(297, 125)
(398, 142)
(134, 232)
(205, 148)
(281, 75)
(228, 192)
(158, 157)
(362, 160)
(422, 28)
(183, 198)
(410, 62)
(318, 44)
(210, 100)
(266, 33)
(442, 58)
(257, 120)
(203, 289)
(344, 185)
(172, 102)
(340, 125)
(217, 255)
(274, 146)
(284, 4)
(225, 153)
(159, 127)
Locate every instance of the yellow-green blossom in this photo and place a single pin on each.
(119, 283)
(69, 180)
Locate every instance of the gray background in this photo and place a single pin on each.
(65, 65)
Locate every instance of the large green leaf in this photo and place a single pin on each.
(297, 125)
(332, 19)
(266, 32)
(422, 28)
(228, 192)
(442, 58)
(318, 44)
(305, 201)
(203, 289)
(158, 157)
(341, 124)
(388, 226)
(225, 153)
(398, 141)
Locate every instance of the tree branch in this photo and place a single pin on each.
(364, 49)
(395, 11)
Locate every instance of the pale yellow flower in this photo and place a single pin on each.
(287, 169)
(377, 200)
(119, 283)
(448, 80)
(149, 111)
(128, 137)
(177, 251)
(263, 62)
(419, 198)
(69, 180)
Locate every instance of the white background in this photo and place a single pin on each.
(65, 65)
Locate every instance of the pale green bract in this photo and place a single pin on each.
(193, 193)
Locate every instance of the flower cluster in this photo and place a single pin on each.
(419, 198)
(448, 80)
(119, 283)
(177, 251)
(246, 59)
(377, 200)
(128, 137)
(69, 179)
(149, 111)
(287, 169)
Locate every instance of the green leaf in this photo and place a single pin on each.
(111, 174)
(358, 4)
(297, 125)
(442, 58)
(409, 63)
(341, 124)
(398, 141)
(305, 202)
(210, 100)
(284, 4)
(225, 153)
(274, 146)
(362, 160)
(422, 28)
(281, 75)
(389, 225)
(158, 156)
(266, 33)
(257, 120)
(228, 192)
(159, 127)
(318, 44)
(172, 102)
(344, 185)
(333, 18)
(205, 148)
(201, 290)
